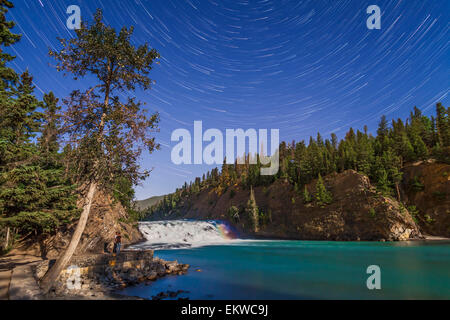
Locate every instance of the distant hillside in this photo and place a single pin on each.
(357, 211)
(147, 203)
(384, 187)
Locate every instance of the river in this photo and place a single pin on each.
(226, 267)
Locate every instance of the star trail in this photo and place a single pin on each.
(298, 66)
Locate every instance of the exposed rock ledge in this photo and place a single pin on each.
(96, 276)
(358, 211)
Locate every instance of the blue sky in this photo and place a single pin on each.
(296, 66)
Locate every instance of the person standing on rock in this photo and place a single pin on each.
(117, 243)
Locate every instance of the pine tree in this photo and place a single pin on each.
(443, 125)
(8, 78)
(7, 75)
(383, 127)
(35, 196)
(420, 148)
(322, 196)
(397, 176)
(383, 184)
(252, 210)
(365, 152)
(225, 175)
(19, 122)
(381, 157)
(108, 134)
(306, 196)
(401, 141)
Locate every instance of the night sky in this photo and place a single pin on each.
(297, 66)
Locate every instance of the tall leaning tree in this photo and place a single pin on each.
(105, 132)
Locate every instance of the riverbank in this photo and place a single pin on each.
(89, 276)
(435, 238)
(128, 274)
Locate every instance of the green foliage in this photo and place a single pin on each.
(416, 185)
(36, 196)
(428, 219)
(233, 213)
(265, 216)
(123, 191)
(414, 212)
(372, 212)
(107, 129)
(306, 196)
(384, 184)
(402, 208)
(39, 182)
(252, 211)
(381, 158)
(322, 196)
(443, 125)
(8, 76)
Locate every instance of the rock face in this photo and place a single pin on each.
(106, 217)
(97, 275)
(426, 185)
(357, 212)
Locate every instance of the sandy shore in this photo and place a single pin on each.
(435, 238)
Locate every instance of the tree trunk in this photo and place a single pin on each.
(398, 191)
(7, 239)
(52, 274)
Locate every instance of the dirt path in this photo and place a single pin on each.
(7, 264)
(5, 278)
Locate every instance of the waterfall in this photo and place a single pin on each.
(174, 234)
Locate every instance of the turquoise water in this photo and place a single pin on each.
(307, 270)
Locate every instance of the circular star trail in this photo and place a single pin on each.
(297, 66)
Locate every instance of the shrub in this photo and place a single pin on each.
(439, 195)
(428, 219)
(233, 213)
(413, 212)
(323, 197)
(416, 185)
(306, 196)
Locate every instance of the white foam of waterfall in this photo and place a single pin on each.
(174, 234)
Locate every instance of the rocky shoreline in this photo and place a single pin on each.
(100, 276)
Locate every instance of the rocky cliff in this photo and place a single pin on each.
(426, 185)
(357, 211)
